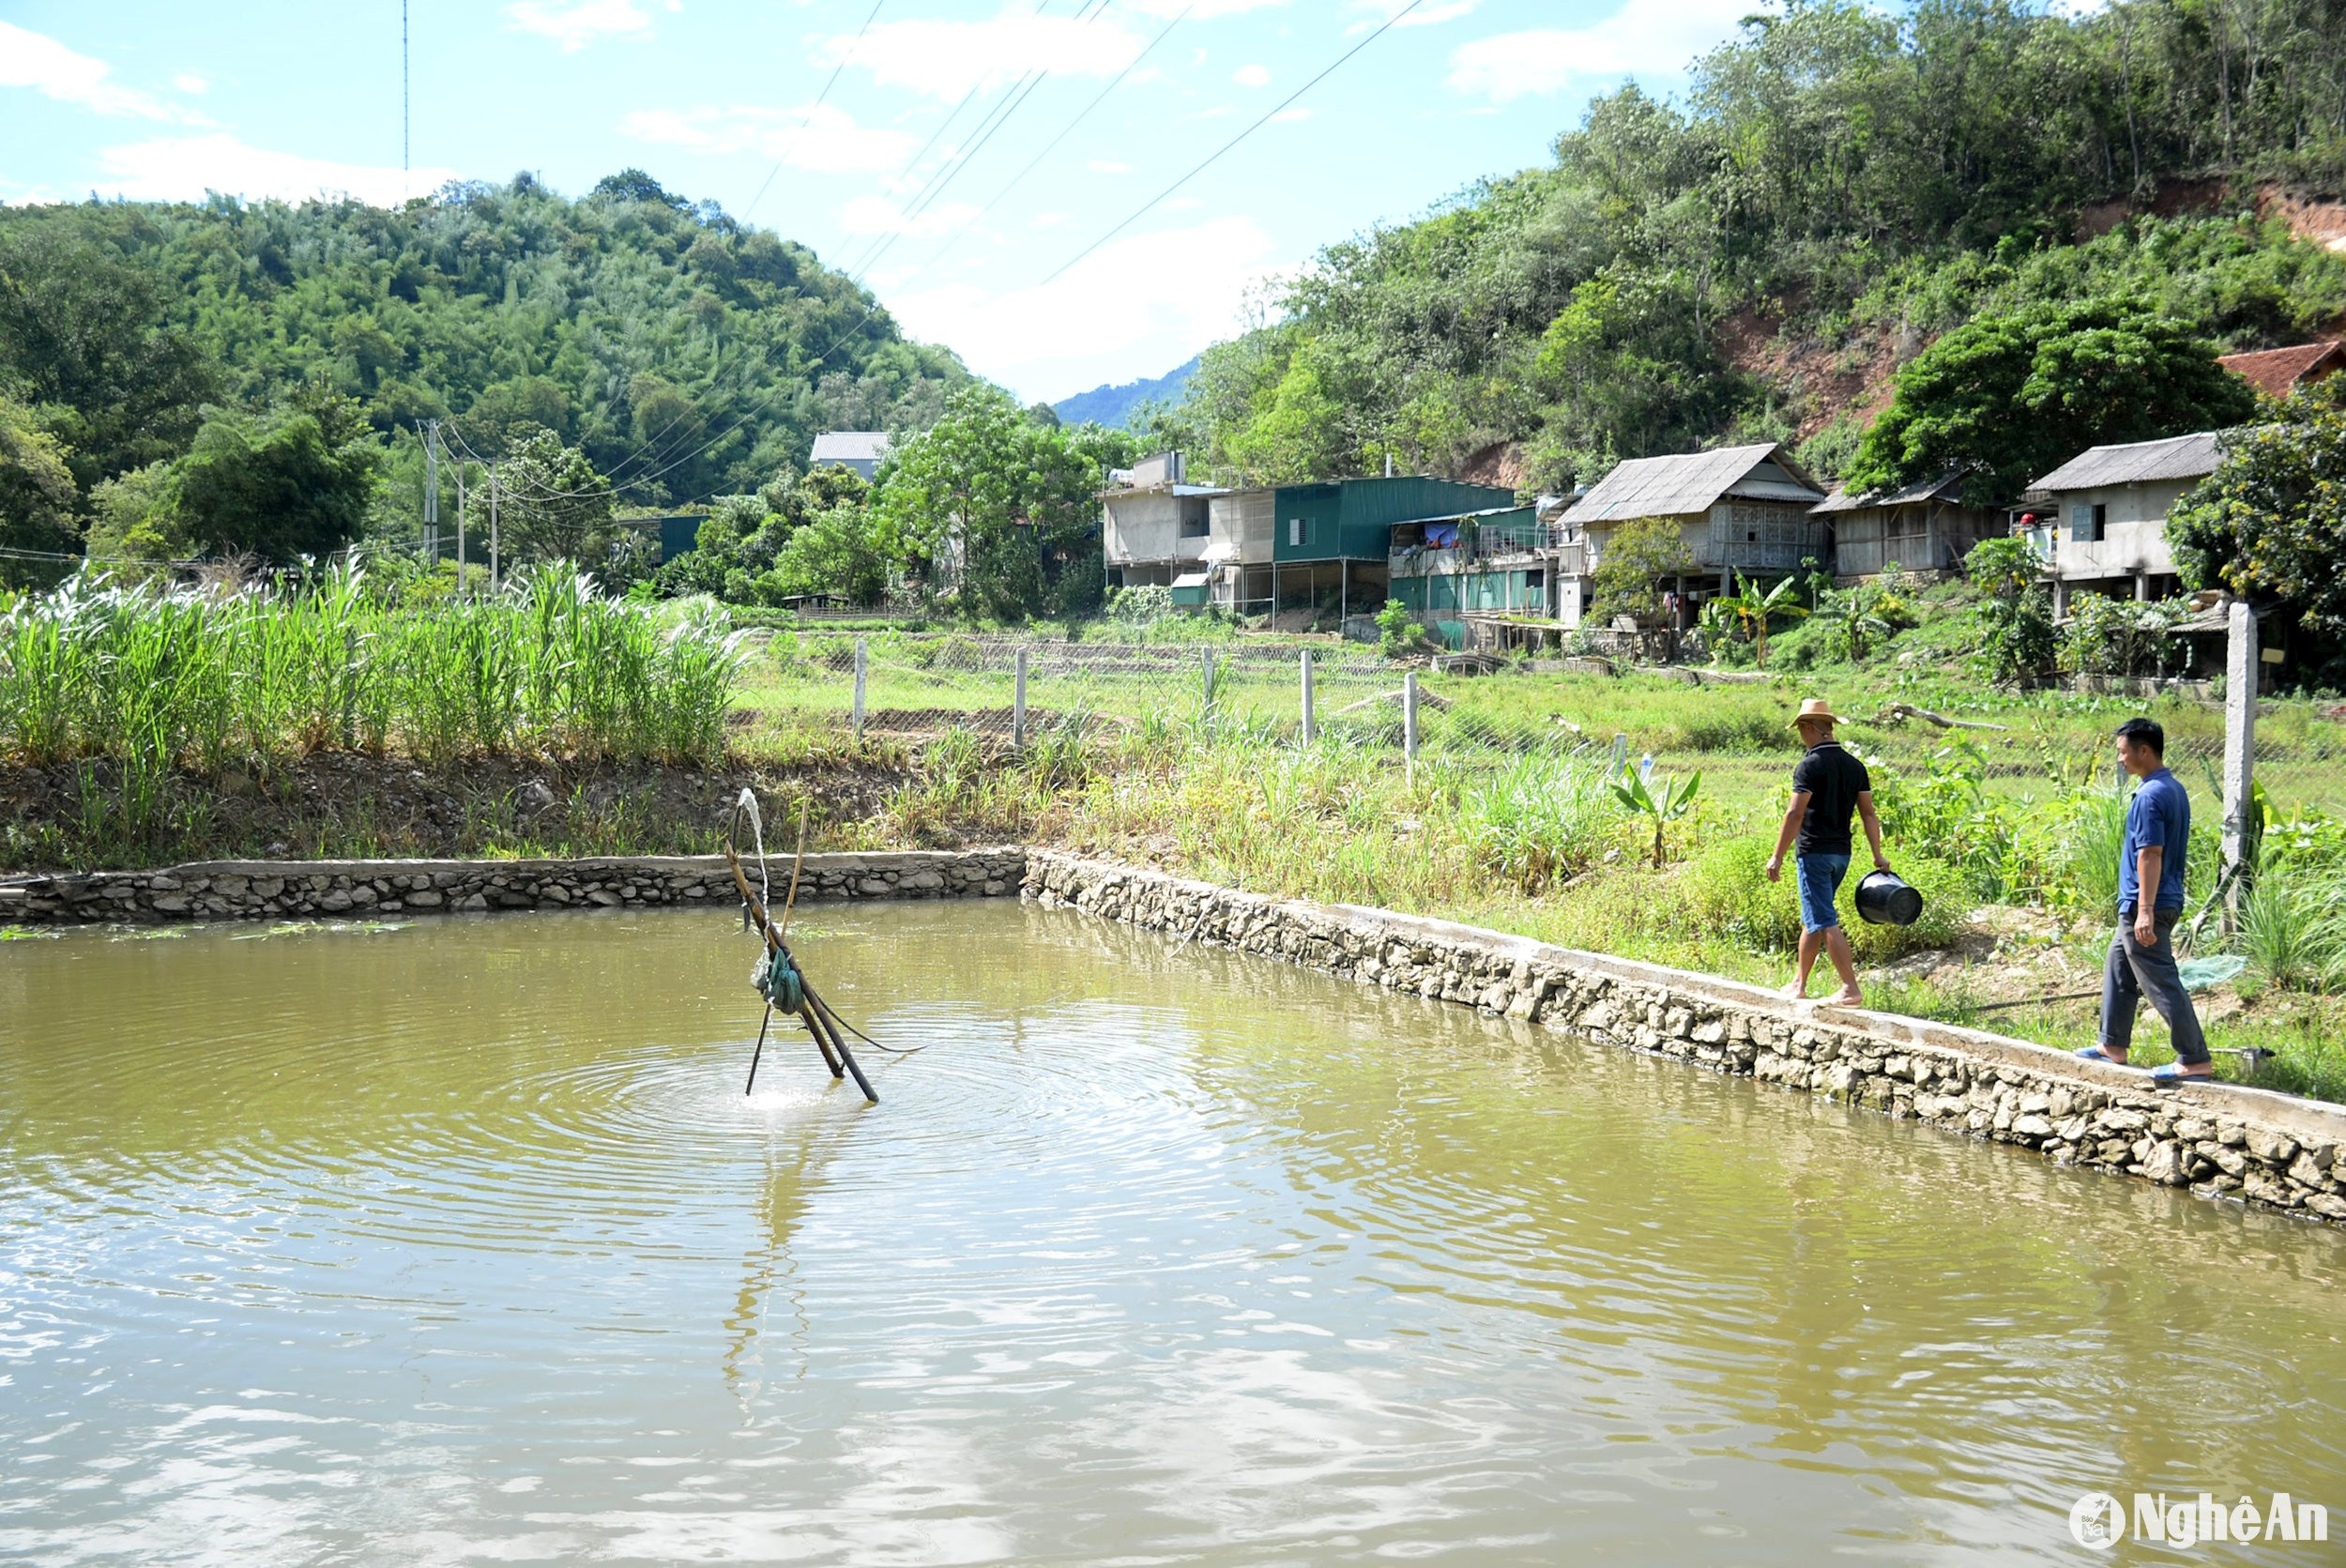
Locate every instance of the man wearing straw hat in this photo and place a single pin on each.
(1828, 786)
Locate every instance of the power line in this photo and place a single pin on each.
(820, 99)
(1211, 157)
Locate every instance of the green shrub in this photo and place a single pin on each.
(1729, 894)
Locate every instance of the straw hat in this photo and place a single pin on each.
(1814, 711)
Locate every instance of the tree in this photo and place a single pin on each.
(294, 483)
(80, 333)
(2012, 396)
(837, 552)
(991, 507)
(1629, 572)
(551, 504)
(2270, 523)
(37, 499)
(1749, 609)
(2015, 609)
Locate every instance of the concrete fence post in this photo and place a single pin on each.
(1309, 728)
(2242, 671)
(1206, 689)
(1409, 728)
(863, 655)
(1018, 702)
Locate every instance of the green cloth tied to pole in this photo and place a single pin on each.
(776, 979)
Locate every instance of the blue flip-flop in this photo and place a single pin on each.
(2094, 1052)
(2171, 1074)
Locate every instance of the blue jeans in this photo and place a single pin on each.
(1819, 877)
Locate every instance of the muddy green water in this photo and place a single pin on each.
(459, 1244)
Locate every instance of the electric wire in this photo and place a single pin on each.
(820, 99)
(1272, 112)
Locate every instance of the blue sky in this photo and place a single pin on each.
(884, 176)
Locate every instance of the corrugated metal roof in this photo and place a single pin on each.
(2178, 457)
(1680, 486)
(1909, 496)
(849, 446)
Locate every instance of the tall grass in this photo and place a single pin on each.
(136, 682)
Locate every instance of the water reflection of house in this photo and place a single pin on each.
(1741, 509)
(2101, 519)
(1923, 528)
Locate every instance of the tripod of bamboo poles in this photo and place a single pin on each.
(782, 983)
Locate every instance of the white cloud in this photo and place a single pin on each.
(183, 168)
(944, 59)
(1134, 302)
(29, 59)
(1424, 15)
(820, 139)
(1289, 116)
(580, 23)
(1644, 37)
(1201, 11)
(1251, 76)
(188, 82)
(1053, 219)
(878, 215)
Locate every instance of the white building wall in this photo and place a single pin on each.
(2134, 532)
(1142, 527)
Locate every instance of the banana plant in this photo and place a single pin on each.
(1664, 804)
(1749, 610)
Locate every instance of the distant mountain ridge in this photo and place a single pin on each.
(1113, 405)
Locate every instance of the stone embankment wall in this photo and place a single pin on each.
(222, 890)
(2220, 1140)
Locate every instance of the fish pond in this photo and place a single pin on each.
(460, 1243)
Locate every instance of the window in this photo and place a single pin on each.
(1194, 522)
(2085, 523)
(1299, 531)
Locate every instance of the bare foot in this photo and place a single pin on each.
(1846, 997)
(1794, 992)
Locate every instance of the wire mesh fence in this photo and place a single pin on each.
(1007, 693)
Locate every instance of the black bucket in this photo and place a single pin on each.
(1883, 898)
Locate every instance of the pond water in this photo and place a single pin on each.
(460, 1243)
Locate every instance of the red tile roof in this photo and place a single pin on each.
(2276, 372)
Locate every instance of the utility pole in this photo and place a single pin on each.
(404, 168)
(459, 530)
(431, 486)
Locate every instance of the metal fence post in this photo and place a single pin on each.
(1309, 729)
(861, 656)
(2242, 671)
(1018, 703)
(1206, 690)
(1409, 728)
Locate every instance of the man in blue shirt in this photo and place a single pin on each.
(2150, 901)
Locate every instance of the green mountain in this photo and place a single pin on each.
(1114, 406)
(1838, 186)
(687, 354)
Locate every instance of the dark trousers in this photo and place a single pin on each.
(2135, 971)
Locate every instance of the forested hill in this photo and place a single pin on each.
(686, 354)
(1116, 407)
(1839, 187)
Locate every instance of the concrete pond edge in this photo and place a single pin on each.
(2220, 1140)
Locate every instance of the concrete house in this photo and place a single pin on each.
(1747, 509)
(1153, 527)
(859, 450)
(2101, 519)
(1493, 564)
(1925, 529)
(1283, 547)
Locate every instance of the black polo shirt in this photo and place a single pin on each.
(1832, 780)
